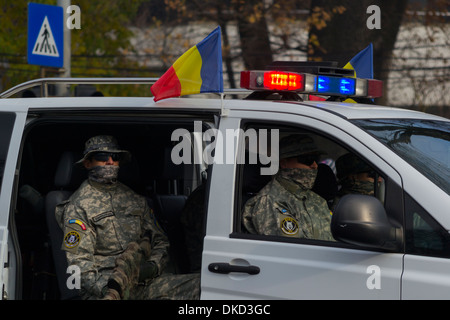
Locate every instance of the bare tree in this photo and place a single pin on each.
(340, 30)
(420, 71)
(253, 33)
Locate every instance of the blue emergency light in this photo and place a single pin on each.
(332, 85)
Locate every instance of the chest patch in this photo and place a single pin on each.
(289, 226)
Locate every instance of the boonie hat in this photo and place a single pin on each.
(103, 143)
(296, 145)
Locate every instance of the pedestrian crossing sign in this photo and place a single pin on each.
(45, 42)
(45, 35)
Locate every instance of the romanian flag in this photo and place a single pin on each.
(198, 70)
(362, 63)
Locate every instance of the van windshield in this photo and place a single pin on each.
(425, 144)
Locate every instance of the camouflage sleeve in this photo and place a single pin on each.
(158, 240)
(79, 243)
(259, 215)
(321, 217)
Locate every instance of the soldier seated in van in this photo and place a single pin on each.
(355, 176)
(113, 237)
(287, 206)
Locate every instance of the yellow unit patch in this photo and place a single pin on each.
(71, 239)
(289, 226)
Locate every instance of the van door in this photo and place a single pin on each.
(240, 265)
(11, 129)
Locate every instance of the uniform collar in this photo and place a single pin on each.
(103, 186)
(290, 185)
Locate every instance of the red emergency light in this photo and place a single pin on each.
(277, 81)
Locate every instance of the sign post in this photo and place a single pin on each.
(65, 4)
(64, 90)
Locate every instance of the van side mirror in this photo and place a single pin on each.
(362, 220)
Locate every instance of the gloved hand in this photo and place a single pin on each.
(148, 270)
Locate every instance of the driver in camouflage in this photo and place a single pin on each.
(286, 206)
(111, 234)
(355, 176)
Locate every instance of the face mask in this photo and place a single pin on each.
(104, 174)
(358, 186)
(305, 177)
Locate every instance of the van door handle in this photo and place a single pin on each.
(225, 268)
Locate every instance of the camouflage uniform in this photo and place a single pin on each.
(350, 186)
(286, 206)
(110, 233)
(349, 164)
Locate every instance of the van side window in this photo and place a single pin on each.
(297, 199)
(6, 127)
(174, 190)
(424, 236)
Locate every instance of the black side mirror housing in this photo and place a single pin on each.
(362, 220)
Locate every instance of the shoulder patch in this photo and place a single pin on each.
(71, 239)
(78, 222)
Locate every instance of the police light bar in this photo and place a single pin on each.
(309, 83)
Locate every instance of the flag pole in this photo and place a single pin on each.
(222, 110)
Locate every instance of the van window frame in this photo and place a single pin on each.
(118, 119)
(7, 121)
(393, 201)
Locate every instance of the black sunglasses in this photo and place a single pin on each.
(104, 156)
(307, 159)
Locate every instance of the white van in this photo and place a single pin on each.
(392, 244)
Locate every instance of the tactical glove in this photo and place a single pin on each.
(148, 270)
